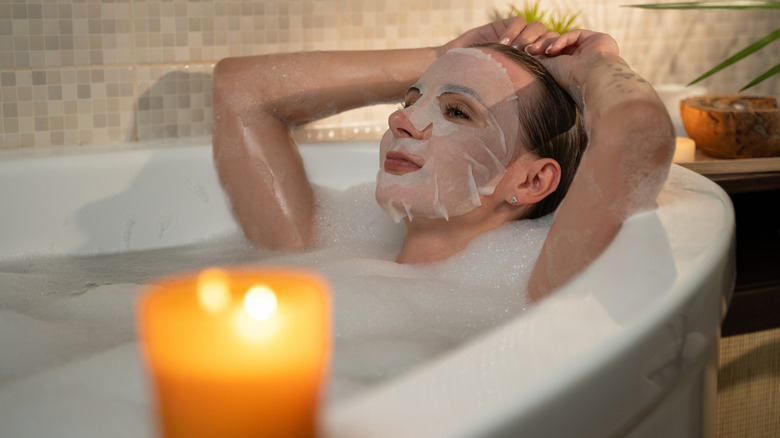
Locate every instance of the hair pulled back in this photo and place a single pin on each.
(552, 125)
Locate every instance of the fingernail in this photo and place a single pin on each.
(547, 50)
(505, 41)
(527, 49)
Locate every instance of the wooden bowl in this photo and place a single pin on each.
(733, 125)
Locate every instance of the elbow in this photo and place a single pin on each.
(226, 83)
(223, 111)
(659, 132)
(648, 129)
(224, 76)
(646, 162)
(634, 145)
(236, 78)
(234, 81)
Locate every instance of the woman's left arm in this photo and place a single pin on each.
(631, 143)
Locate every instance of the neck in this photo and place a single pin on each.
(432, 240)
(428, 248)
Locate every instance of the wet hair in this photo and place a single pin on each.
(552, 125)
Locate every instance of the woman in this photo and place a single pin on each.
(458, 160)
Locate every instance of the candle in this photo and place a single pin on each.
(237, 353)
(684, 151)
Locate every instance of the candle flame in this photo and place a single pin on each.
(213, 290)
(260, 303)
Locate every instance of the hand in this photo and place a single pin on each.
(570, 56)
(576, 42)
(513, 31)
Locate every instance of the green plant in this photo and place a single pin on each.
(738, 5)
(554, 21)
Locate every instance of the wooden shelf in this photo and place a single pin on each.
(738, 175)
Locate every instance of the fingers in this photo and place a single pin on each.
(506, 31)
(514, 27)
(540, 45)
(574, 42)
(519, 34)
(554, 44)
(515, 32)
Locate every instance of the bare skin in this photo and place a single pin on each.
(257, 100)
(631, 140)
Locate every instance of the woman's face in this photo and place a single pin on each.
(451, 143)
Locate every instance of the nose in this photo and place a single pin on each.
(402, 127)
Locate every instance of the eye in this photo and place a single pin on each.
(457, 111)
(408, 102)
(412, 96)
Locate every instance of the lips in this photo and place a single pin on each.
(398, 163)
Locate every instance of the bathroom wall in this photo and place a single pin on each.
(76, 72)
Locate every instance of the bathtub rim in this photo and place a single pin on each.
(136, 155)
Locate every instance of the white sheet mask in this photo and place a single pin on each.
(462, 160)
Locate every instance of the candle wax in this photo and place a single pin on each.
(239, 353)
(684, 151)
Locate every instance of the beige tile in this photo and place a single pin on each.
(43, 98)
(174, 101)
(49, 34)
(76, 37)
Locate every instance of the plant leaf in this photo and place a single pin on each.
(744, 4)
(741, 54)
(529, 12)
(554, 20)
(772, 71)
(562, 23)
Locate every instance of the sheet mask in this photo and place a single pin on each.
(462, 161)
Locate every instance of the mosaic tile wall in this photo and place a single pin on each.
(102, 71)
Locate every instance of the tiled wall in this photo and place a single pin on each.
(90, 71)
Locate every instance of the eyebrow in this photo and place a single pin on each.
(450, 88)
(459, 89)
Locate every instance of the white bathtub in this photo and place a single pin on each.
(628, 349)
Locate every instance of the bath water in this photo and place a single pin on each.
(388, 318)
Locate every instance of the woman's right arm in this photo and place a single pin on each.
(258, 99)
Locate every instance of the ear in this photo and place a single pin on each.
(534, 179)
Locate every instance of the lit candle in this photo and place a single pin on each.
(237, 353)
(684, 151)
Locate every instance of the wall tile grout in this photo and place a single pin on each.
(134, 129)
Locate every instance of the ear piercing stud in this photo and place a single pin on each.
(513, 200)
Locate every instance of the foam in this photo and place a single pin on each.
(388, 317)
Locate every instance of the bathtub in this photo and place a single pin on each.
(629, 348)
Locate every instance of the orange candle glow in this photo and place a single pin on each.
(238, 353)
